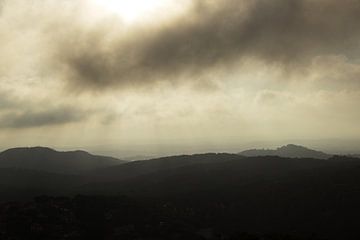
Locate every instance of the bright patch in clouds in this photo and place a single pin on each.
(136, 10)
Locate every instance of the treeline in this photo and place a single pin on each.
(110, 218)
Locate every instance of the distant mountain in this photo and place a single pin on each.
(289, 151)
(47, 159)
(137, 158)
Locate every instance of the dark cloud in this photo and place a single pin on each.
(50, 117)
(213, 35)
(274, 98)
(2, 2)
(7, 101)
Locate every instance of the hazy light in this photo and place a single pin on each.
(134, 10)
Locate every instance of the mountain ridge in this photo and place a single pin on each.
(48, 159)
(288, 151)
(227, 191)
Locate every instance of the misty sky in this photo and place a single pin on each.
(155, 75)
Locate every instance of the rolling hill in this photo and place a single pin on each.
(255, 194)
(224, 192)
(289, 151)
(47, 159)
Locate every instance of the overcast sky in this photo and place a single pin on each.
(168, 76)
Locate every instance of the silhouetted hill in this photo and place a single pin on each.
(137, 168)
(211, 170)
(226, 193)
(257, 194)
(290, 151)
(46, 159)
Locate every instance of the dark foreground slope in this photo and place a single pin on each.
(47, 159)
(24, 184)
(262, 194)
(187, 197)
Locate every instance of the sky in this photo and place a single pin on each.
(155, 77)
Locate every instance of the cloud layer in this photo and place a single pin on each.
(50, 117)
(93, 51)
(212, 36)
(277, 69)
